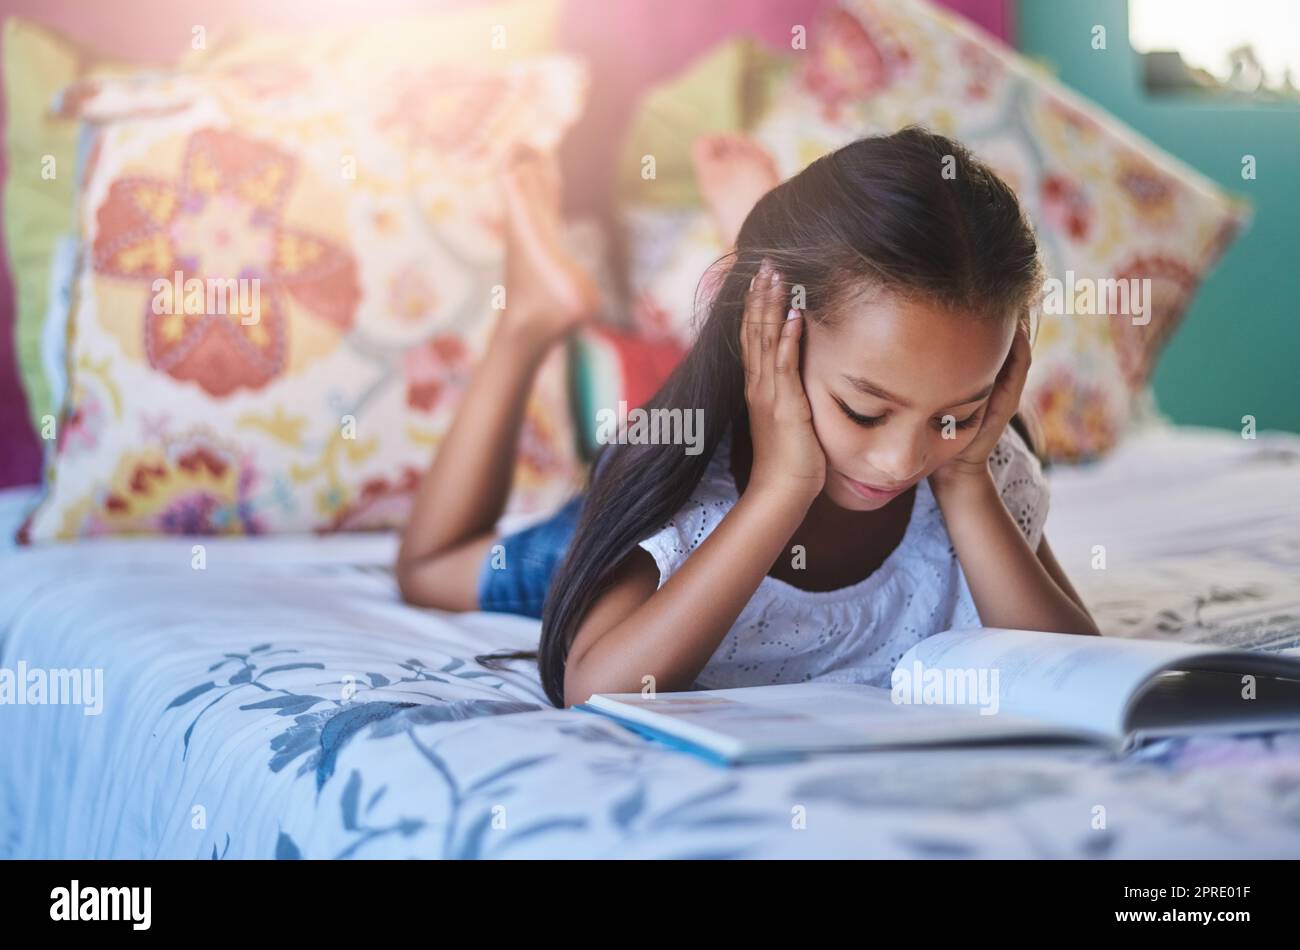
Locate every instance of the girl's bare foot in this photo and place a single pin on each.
(548, 294)
(732, 172)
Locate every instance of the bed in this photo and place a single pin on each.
(282, 702)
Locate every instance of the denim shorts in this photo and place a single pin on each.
(515, 580)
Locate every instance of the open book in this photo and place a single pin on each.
(983, 685)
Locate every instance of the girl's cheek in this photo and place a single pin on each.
(950, 447)
(825, 425)
(820, 419)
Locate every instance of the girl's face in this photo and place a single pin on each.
(886, 381)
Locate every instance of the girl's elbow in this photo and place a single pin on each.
(407, 582)
(422, 585)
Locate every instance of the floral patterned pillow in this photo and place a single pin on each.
(285, 277)
(1106, 203)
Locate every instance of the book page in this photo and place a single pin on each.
(1078, 681)
(809, 717)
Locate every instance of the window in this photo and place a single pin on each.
(1246, 49)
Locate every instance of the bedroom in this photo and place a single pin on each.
(209, 514)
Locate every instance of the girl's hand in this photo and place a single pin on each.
(788, 459)
(973, 461)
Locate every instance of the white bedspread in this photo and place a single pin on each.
(1201, 531)
(283, 702)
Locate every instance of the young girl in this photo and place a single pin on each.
(859, 488)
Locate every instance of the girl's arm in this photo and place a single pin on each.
(1011, 585)
(1058, 574)
(635, 630)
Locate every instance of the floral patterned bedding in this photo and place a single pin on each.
(282, 702)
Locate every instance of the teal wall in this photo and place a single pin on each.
(1238, 349)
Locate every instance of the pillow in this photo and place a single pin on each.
(723, 91)
(39, 64)
(502, 31)
(40, 156)
(720, 92)
(1106, 203)
(669, 243)
(613, 366)
(288, 269)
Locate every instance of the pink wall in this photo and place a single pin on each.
(628, 43)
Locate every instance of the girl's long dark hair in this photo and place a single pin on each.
(913, 213)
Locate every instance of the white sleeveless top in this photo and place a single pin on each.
(855, 634)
